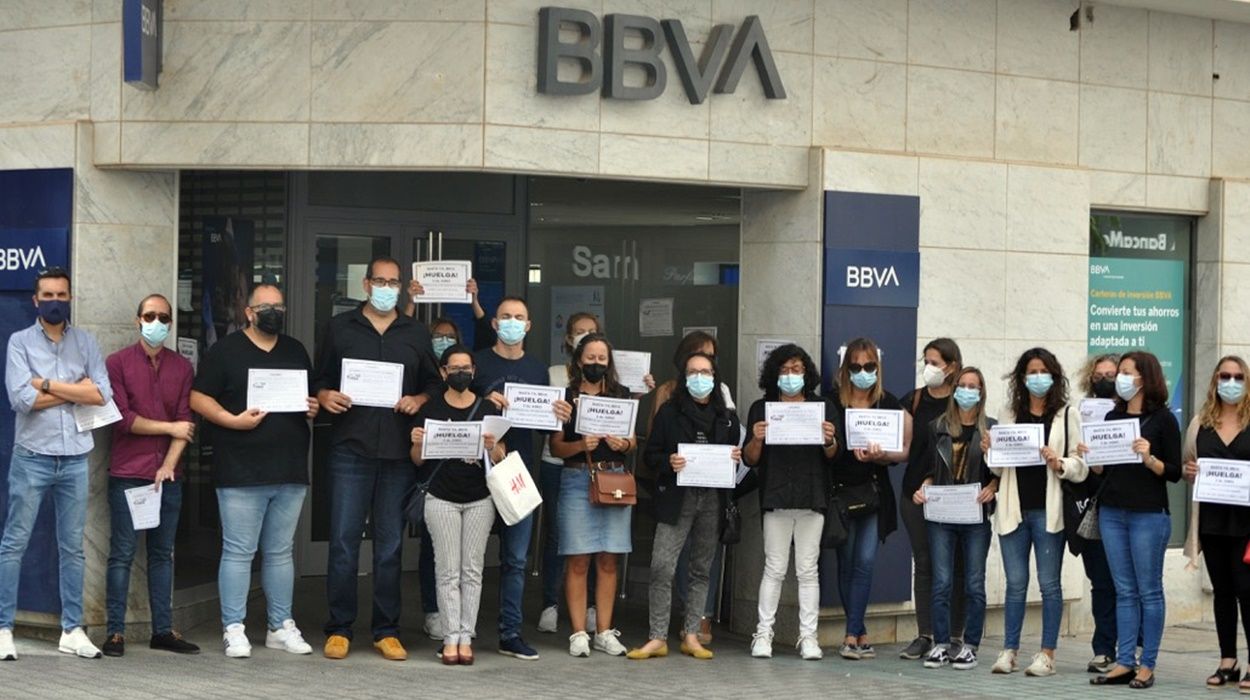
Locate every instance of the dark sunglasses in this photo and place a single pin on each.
(151, 316)
(1228, 376)
(866, 367)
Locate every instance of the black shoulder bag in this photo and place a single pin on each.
(414, 500)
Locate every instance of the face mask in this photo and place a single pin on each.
(459, 380)
(577, 340)
(1039, 384)
(154, 333)
(790, 384)
(699, 385)
(864, 380)
(511, 331)
(269, 321)
(1231, 391)
(967, 398)
(594, 372)
(933, 376)
(1104, 388)
(441, 344)
(54, 311)
(383, 298)
(1125, 387)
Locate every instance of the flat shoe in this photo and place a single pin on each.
(1122, 679)
(697, 653)
(1142, 685)
(639, 655)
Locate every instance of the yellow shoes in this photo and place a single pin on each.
(337, 646)
(391, 649)
(698, 653)
(638, 654)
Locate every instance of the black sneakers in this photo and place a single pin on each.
(115, 645)
(171, 641)
(918, 649)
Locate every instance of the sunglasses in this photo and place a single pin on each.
(1229, 376)
(151, 316)
(866, 367)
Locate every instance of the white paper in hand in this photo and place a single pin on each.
(88, 418)
(145, 506)
(496, 426)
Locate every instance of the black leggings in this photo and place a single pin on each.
(1230, 579)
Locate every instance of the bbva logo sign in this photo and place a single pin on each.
(725, 57)
(867, 277)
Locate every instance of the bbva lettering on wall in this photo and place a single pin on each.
(872, 277)
(720, 68)
(24, 252)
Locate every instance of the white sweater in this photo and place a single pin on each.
(1007, 516)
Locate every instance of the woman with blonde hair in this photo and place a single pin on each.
(1221, 430)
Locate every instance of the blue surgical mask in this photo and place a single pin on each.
(511, 331)
(700, 385)
(383, 298)
(790, 384)
(1231, 391)
(864, 379)
(441, 344)
(1125, 386)
(967, 398)
(154, 333)
(1039, 384)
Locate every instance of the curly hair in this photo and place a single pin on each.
(1018, 392)
(772, 369)
(1086, 374)
(717, 397)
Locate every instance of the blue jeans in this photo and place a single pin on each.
(514, 545)
(160, 545)
(1102, 597)
(252, 517)
(553, 563)
(425, 574)
(1135, 543)
(973, 541)
(1048, 553)
(360, 488)
(32, 475)
(856, 558)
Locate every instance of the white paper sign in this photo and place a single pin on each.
(530, 405)
(955, 504)
(1223, 481)
(865, 426)
(763, 348)
(631, 367)
(602, 416)
(369, 383)
(1111, 442)
(1095, 410)
(794, 422)
(89, 418)
(443, 281)
(709, 466)
(687, 330)
(495, 426)
(446, 439)
(655, 317)
(145, 506)
(190, 349)
(278, 390)
(1016, 445)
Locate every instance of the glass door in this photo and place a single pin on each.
(497, 268)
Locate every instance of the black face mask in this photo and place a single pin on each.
(459, 380)
(594, 372)
(1104, 388)
(269, 321)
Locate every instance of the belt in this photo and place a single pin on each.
(597, 465)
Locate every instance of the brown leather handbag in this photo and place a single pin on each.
(609, 488)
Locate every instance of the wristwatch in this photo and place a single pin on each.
(47, 383)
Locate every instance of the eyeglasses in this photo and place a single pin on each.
(458, 368)
(151, 316)
(260, 308)
(1229, 376)
(866, 367)
(444, 336)
(384, 282)
(701, 373)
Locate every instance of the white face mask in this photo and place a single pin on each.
(933, 376)
(577, 340)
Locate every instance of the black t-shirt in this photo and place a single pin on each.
(457, 480)
(849, 470)
(1031, 481)
(1133, 486)
(601, 453)
(927, 410)
(792, 476)
(1219, 518)
(493, 372)
(274, 452)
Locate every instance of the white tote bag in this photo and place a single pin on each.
(512, 488)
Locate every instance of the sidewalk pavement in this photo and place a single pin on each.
(1188, 656)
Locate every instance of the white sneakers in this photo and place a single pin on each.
(609, 643)
(1042, 665)
(433, 626)
(8, 652)
(579, 644)
(235, 640)
(762, 645)
(1006, 662)
(287, 638)
(809, 649)
(547, 621)
(76, 642)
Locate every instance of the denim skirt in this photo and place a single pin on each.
(586, 528)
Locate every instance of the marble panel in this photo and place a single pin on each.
(946, 288)
(1207, 302)
(34, 147)
(1230, 139)
(1037, 120)
(396, 145)
(958, 109)
(652, 157)
(1047, 210)
(1235, 295)
(1231, 60)
(787, 23)
(1180, 54)
(1116, 189)
(120, 262)
(1060, 283)
(750, 117)
(1179, 135)
(541, 150)
(780, 265)
(1184, 194)
(859, 104)
(1113, 128)
(783, 216)
(255, 10)
(525, 12)
(1235, 221)
(867, 29)
(106, 71)
(39, 14)
(952, 33)
(119, 196)
(848, 171)
(1034, 39)
(54, 83)
(963, 204)
(107, 149)
(512, 85)
(758, 164)
(226, 144)
(1114, 47)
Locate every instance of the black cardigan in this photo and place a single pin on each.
(672, 426)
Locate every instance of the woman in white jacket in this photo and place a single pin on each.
(1030, 503)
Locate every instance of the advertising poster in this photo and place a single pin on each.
(229, 252)
(566, 301)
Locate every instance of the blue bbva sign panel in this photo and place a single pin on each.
(141, 42)
(872, 289)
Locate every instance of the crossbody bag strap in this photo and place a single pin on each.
(472, 412)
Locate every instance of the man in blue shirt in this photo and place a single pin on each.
(51, 369)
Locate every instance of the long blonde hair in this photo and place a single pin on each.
(844, 372)
(954, 425)
(1209, 416)
(1086, 373)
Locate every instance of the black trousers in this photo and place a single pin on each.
(1230, 579)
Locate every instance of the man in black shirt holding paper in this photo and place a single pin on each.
(369, 469)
